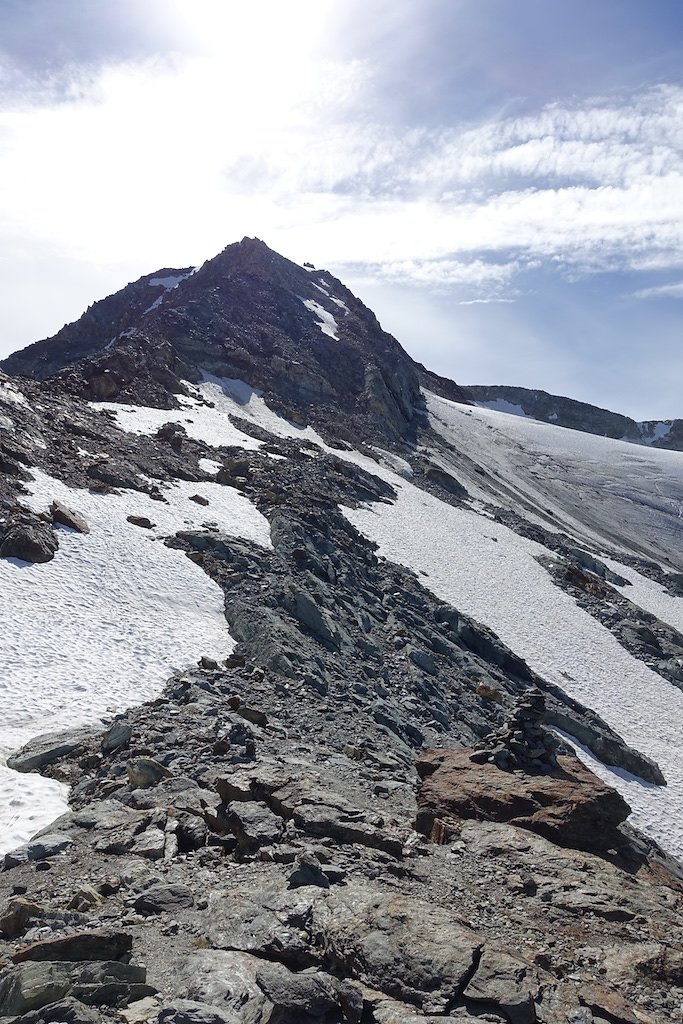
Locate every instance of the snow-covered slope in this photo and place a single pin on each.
(103, 625)
(606, 491)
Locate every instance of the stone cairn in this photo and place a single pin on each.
(521, 743)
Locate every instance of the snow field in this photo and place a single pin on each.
(649, 595)
(103, 625)
(606, 491)
(491, 574)
(212, 424)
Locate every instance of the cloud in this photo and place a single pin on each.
(244, 123)
(671, 291)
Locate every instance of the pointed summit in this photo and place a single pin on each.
(294, 332)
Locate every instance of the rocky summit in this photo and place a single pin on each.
(330, 696)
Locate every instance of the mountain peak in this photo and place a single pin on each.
(294, 332)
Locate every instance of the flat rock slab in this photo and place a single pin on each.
(159, 899)
(91, 945)
(570, 806)
(38, 849)
(48, 748)
(31, 985)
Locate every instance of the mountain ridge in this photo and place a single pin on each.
(568, 412)
(354, 685)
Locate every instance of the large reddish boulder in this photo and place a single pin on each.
(570, 806)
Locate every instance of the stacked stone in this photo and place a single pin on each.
(522, 743)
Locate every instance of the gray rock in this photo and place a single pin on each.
(187, 1011)
(252, 991)
(29, 539)
(506, 981)
(150, 844)
(31, 985)
(423, 660)
(308, 612)
(302, 996)
(47, 846)
(272, 928)
(48, 748)
(65, 1011)
(254, 825)
(65, 516)
(308, 872)
(159, 899)
(403, 947)
(117, 736)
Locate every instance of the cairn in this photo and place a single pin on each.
(521, 743)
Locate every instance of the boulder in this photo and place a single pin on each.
(401, 946)
(29, 539)
(117, 736)
(569, 806)
(47, 749)
(65, 516)
(508, 983)
(159, 899)
(142, 521)
(32, 985)
(251, 990)
(49, 845)
(272, 927)
(17, 915)
(253, 825)
(64, 1011)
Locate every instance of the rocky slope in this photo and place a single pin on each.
(566, 412)
(296, 333)
(360, 814)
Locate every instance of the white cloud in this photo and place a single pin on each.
(672, 291)
(256, 129)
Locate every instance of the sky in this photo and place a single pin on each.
(501, 182)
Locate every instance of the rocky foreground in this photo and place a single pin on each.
(244, 849)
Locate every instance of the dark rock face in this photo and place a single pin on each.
(569, 806)
(567, 412)
(243, 314)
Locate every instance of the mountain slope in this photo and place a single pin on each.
(297, 334)
(566, 412)
(319, 696)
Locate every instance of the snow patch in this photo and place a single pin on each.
(327, 324)
(502, 405)
(650, 432)
(209, 465)
(10, 393)
(172, 280)
(103, 625)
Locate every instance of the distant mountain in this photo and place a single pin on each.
(566, 412)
